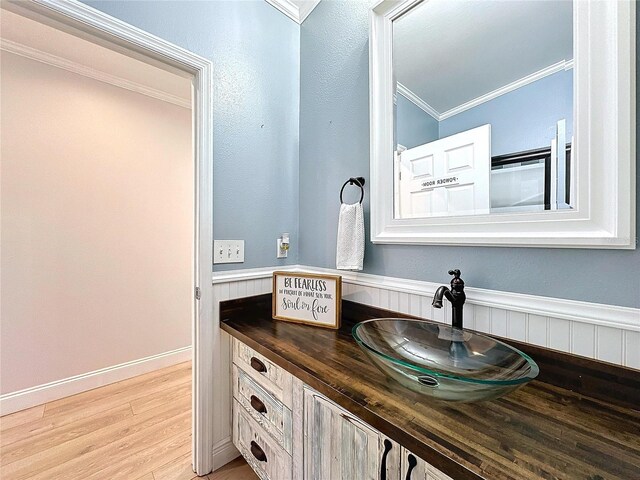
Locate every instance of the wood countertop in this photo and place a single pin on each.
(540, 431)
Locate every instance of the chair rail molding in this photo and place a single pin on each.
(87, 22)
(587, 313)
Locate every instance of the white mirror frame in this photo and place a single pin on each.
(604, 117)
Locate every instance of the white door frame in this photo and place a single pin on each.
(135, 42)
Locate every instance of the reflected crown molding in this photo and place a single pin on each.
(296, 10)
(417, 101)
(510, 87)
(535, 76)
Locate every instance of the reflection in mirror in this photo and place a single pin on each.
(483, 107)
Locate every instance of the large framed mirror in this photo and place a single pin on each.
(503, 123)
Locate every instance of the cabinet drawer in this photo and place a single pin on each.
(265, 373)
(266, 457)
(269, 412)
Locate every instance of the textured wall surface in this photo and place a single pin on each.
(413, 125)
(255, 51)
(334, 145)
(334, 122)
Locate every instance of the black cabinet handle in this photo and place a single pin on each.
(258, 405)
(383, 464)
(258, 365)
(257, 452)
(412, 464)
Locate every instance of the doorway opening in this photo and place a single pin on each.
(106, 202)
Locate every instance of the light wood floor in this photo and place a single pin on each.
(138, 429)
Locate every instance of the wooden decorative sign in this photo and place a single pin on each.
(307, 298)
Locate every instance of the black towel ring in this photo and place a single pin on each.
(359, 181)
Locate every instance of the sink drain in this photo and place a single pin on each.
(428, 381)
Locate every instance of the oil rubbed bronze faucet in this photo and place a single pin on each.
(456, 296)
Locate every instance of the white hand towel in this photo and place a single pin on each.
(350, 251)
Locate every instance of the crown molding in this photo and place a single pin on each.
(296, 11)
(533, 77)
(417, 101)
(510, 87)
(306, 8)
(74, 67)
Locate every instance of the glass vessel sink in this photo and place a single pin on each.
(444, 362)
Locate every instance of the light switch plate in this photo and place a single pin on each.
(228, 251)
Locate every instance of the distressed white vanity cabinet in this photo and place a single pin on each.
(341, 446)
(262, 413)
(414, 468)
(287, 430)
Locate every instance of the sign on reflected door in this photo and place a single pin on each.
(447, 177)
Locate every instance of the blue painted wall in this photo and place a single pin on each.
(255, 51)
(334, 145)
(523, 119)
(413, 125)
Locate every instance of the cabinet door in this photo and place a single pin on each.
(339, 446)
(414, 468)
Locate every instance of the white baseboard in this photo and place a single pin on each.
(223, 452)
(30, 397)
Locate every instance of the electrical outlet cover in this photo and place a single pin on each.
(280, 252)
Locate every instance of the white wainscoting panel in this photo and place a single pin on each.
(611, 344)
(559, 334)
(604, 332)
(583, 336)
(631, 349)
(517, 325)
(537, 330)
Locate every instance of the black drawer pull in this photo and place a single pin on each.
(258, 365)
(383, 463)
(257, 452)
(258, 405)
(412, 464)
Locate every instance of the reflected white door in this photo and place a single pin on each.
(450, 176)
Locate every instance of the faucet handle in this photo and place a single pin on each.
(456, 282)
